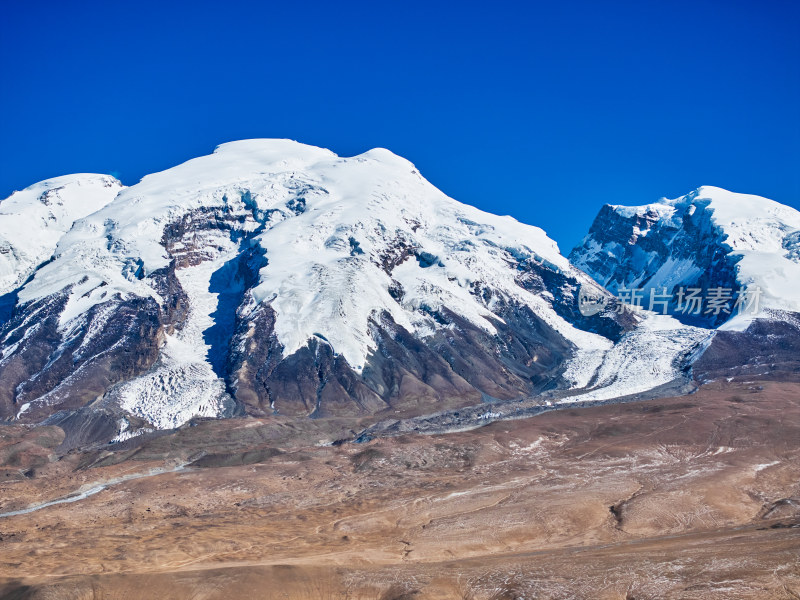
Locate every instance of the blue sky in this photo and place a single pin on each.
(541, 110)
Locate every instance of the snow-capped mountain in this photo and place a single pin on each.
(707, 239)
(710, 239)
(271, 277)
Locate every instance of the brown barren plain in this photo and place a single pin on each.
(689, 497)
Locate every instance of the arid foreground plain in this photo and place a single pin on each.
(690, 497)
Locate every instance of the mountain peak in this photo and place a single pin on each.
(273, 149)
(708, 238)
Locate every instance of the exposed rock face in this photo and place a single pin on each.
(641, 249)
(272, 277)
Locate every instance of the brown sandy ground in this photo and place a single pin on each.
(690, 497)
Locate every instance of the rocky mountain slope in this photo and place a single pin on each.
(272, 277)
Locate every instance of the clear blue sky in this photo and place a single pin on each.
(541, 110)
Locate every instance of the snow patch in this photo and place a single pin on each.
(32, 221)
